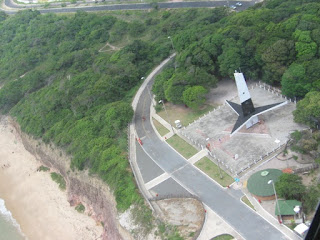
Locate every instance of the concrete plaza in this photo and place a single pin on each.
(247, 146)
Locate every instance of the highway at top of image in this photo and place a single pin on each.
(133, 6)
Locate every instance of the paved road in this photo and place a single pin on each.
(137, 6)
(225, 202)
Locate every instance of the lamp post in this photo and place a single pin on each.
(277, 203)
(161, 101)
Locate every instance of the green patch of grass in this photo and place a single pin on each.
(212, 170)
(246, 201)
(160, 128)
(43, 169)
(182, 113)
(223, 237)
(184, 148)
(80, 208)
(59, 179)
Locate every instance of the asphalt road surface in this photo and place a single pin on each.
(134, 6)
(225, 202)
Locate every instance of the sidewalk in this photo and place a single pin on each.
(214, 226)
(201, 154)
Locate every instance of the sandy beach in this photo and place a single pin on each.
(35, 200)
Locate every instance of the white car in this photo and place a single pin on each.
(239, 4)
(233, 7)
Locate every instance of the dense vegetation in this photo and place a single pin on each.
(290, 186)
(73, 95)
(61, 88)
(277, 41)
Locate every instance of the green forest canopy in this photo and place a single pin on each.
(79, 98)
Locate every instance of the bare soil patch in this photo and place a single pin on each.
(186, 214)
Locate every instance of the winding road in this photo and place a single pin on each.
(156, 159)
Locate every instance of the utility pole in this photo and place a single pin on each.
(161, 101)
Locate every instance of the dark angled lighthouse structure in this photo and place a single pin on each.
(247, 113)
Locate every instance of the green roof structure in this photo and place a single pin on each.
(286, 207)
(258, 182)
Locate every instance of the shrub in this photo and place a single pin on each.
(80, 208)
(296, 135)
(289, 186)
(43, 169)
(59, 179)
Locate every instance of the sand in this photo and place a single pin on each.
(36, 202)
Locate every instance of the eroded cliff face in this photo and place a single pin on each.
(90, 191)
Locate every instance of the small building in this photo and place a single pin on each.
(289, 210)
(258, 184)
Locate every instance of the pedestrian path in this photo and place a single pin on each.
(214, 226)
(156, 181)
(162, 121)
(168, 135)
(201, 154)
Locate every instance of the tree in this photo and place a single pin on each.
(230, 59)
(3, 16)
(305, 47)
(136, 29)
(277, 58)
(308, 109)
(289, 186)
(173, 93)
(158, 86)
(311, 198)
(294, 81)
(175, 86)
(194, 96)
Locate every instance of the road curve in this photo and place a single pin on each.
(225, 202)
(134, 6)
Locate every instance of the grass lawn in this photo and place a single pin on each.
(182, 113)
(223, 237)
(212, 170)
(160, 128)
(246, 201)
(184, 148)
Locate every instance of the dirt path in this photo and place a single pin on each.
(110, 48)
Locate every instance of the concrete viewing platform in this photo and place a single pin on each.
(247, 146)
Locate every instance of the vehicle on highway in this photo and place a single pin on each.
(233, 7)
(239, 4)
